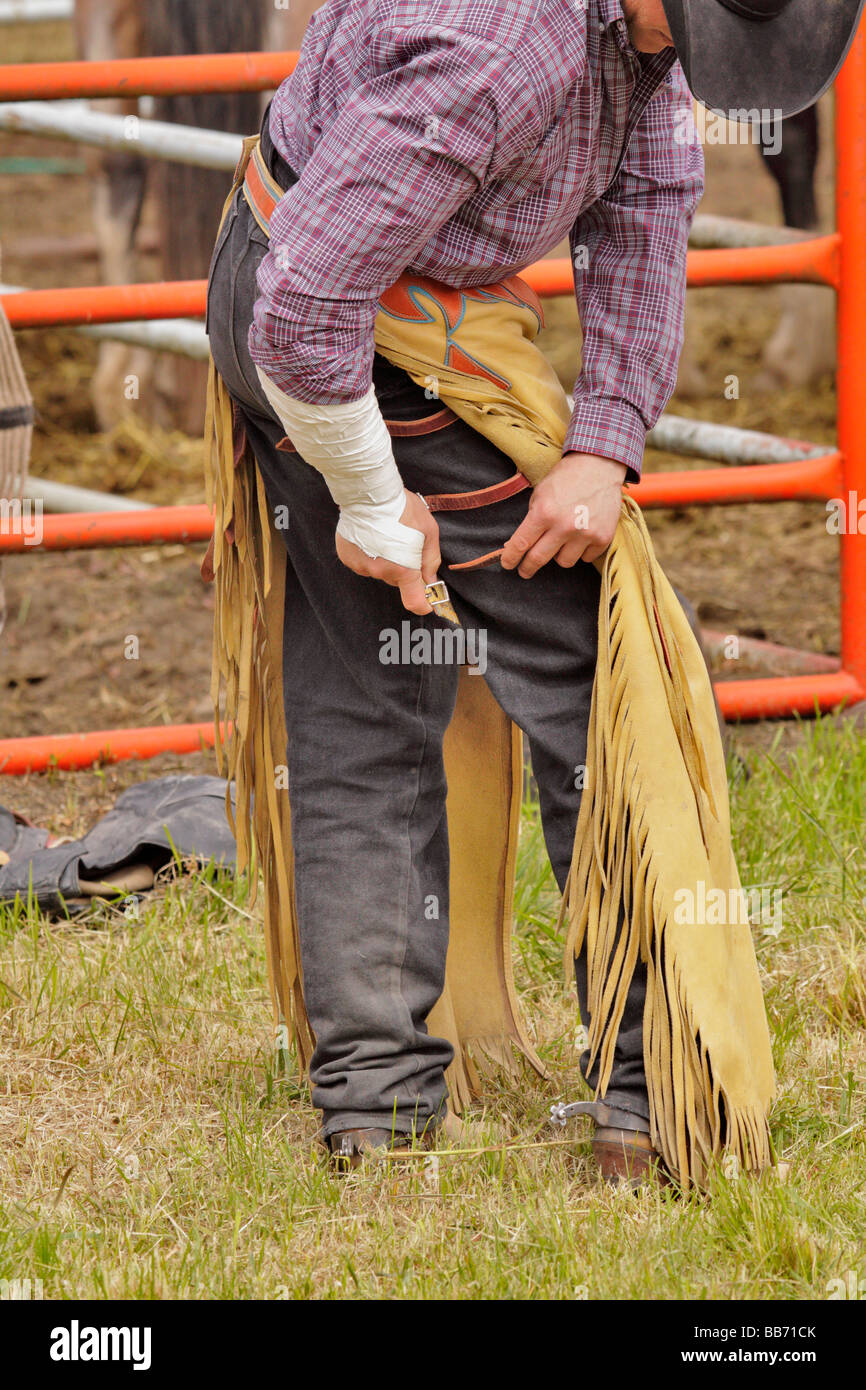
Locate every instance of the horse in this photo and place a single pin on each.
(166, 390)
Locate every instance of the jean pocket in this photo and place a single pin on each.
(214, 286)
(246, 252)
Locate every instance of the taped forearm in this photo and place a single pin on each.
(350, 446)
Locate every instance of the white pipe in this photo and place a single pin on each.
(211, 149)
(63, 497)
(183, 336)
(731, 233)
(674, 434)
(35, 11)
(73, 120)
(727, 444)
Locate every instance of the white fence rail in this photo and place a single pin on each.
(73, 120)
(65, 497)
(35, 11)
(674, 434)
(213, 149)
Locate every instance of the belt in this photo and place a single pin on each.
(262, 193)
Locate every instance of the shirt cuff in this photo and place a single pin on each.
(612, 429)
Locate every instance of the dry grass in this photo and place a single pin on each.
(152, 1148)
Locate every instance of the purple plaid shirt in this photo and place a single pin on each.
(462, 139)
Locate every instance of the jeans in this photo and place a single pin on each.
(365, 768)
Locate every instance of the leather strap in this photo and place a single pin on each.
(482, 562)
(13, 416)
(426, 424)
(484, 497)
(261, 189)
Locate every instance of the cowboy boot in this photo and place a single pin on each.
(621, 1144)
(348, 1148)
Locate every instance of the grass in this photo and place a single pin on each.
(152, 1149)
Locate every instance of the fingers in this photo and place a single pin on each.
(539, 539)
(417, 514)
(412, 594)
(543, 550)
(593, 552)
(409, 582)
(557, 528)
(431, 556)
(530, 530)
(573, 550)
(551, 544)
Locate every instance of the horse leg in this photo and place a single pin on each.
(107, 29)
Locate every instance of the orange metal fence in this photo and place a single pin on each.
(139, 77)
(838, 260)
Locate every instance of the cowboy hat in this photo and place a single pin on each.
(774, 56)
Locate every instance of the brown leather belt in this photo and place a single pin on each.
(449, 501)
(262, 194)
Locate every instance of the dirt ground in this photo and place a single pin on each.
(768, 571)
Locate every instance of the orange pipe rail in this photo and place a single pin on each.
(816, 479)
(777, 697)
(105, 304)
(813, 261)
(851, 337)
(77, 751)
(770, 698)
(97, 530)
(136, 77)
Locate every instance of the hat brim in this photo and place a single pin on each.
(775, 66)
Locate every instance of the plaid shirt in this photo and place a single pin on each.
(463, 139)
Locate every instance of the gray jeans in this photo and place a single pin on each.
(366, 778)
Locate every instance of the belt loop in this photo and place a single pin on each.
(249, 145)
(250, 142)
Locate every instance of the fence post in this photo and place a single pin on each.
(851, 342)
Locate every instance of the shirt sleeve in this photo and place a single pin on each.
(405, 151)
(629, 256)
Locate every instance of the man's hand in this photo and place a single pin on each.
(572, 515)
(410, 582)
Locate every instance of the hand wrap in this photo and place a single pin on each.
(350, 446)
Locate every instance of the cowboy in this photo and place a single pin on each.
(455, 142)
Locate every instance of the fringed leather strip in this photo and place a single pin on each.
(653, 827)
(249, 574)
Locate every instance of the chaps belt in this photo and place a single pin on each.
(262, 193)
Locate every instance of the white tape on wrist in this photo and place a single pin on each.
(380, 533)
(350, 446)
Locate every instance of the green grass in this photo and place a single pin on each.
(151, 1148)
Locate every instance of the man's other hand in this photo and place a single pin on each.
(410, 582)
(572, 515)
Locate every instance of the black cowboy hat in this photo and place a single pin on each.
(776, 56)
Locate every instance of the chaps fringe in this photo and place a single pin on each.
(247, 681)
(698, 1112)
